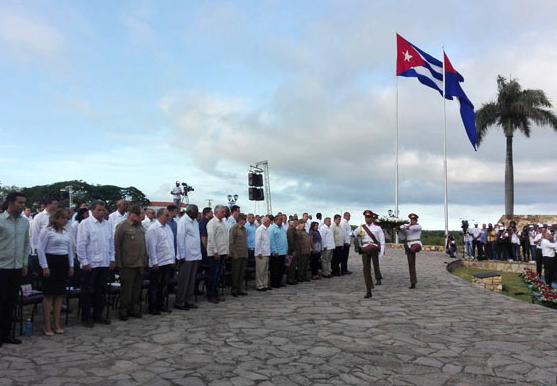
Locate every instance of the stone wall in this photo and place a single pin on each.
(499, 266)
(425, 248)
(490, 282)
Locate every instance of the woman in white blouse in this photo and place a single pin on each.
(56, 258)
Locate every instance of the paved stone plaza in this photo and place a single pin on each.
(318, 333)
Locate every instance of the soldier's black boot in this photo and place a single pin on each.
(412, 286)
(368, 295)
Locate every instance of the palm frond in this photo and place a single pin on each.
(486, 116)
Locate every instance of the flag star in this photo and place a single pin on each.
(407, 56)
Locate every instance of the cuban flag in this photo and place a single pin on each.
(413, 62)
(453, 89)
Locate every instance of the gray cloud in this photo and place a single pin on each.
(328, 128)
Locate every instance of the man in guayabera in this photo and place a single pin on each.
(131, 259)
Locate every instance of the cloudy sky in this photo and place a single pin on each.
(146, 92)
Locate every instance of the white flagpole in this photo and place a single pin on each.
(396, 152)
(446, 207)
(396, 144)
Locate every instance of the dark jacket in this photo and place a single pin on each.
(129, 245)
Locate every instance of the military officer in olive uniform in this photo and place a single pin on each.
(411, 234)
(131, 259)
(370, 242)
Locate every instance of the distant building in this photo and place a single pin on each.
(163, 204)
(527, 219)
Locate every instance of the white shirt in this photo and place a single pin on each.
(95, 243)
(39, 223)
(376, 231)
(475, 232)
(514, 238)
(538, 239)
(229, 222)
(531, 236)
(412, 232)
(188, 239)
(217, 237)
(160, 245)
(262, 242)
(176, 192)
(54, 243)
(147, 222)
(116, 218)
(307, 225)
(327, 237)
(548, 248)
(72, 229)
(347, 230)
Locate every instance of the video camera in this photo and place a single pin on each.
(187, 188)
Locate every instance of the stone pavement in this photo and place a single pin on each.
(318, 333)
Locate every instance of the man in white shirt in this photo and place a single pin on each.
(319, 219)
(542, 229)
(217, 251)
(532, 231)
(306, 221)
(27, 214)
(233, 218)
(149, 219)
(188, 256)
(548, 247)
(412, 234)
(41, 221)
(328, 240)
(119, 215)
(345, 225)
(338, 252)
(177, 194)
(371, 240)
(162, 256)
(95, 251)
(476, 234)
(262, 253)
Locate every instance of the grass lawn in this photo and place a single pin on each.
(513, 285)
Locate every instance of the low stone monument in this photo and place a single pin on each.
(488, 280)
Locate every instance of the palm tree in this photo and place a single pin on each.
(515, 109)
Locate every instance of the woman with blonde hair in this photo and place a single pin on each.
(56, 257)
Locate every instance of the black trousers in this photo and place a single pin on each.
(344, 260)
(525, 244)
(276, 266)
(158, 287)
(93, 293)
(539, 260)
(338, 252)
(488, 249)
(315, 263)
(549, 266)
(476, 248)
(10, 280)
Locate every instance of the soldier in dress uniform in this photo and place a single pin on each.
(411, 234)
(370, 241)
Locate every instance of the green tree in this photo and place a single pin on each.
(515, 109)
(83, 193)
(5, 189)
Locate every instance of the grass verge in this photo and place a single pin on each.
(513, 285)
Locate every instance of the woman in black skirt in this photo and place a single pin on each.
(56, 257)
